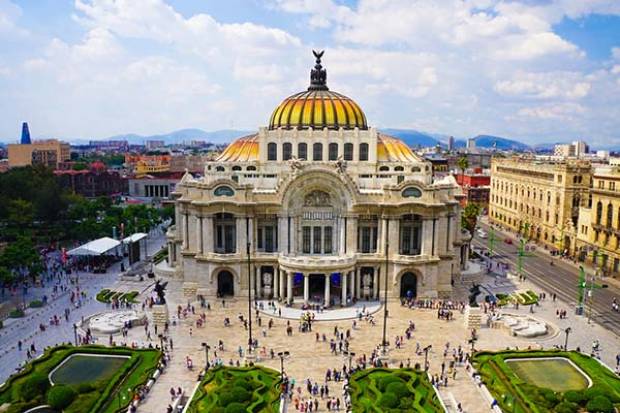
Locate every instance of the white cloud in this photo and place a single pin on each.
(569, 85)
(560, 111)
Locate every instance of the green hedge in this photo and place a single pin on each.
(393, 390)
(516, 395)
(107, 296)
(238, 389)
(89, 397)
(17, 313)
(36, 304)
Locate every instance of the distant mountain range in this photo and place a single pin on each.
(411, 137)
(415, 138)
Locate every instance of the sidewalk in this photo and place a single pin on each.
(540, 248)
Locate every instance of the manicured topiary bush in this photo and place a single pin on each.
(235, 408)
(241, 395)
(388, 400)
(33, 387)
(60, 397)
(398, 388)
(574, 396)
(600, 404)
(567, 407)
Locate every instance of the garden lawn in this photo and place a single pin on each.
(238, 390)
(519, 388)
(31, 387)
(382, 390)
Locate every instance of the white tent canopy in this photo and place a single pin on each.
(97, 247)
(134, 237)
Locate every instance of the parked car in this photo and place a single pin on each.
(508, 241)
(482, 234)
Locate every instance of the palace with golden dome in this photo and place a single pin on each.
(318, 207)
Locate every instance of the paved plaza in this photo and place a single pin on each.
(310, 358)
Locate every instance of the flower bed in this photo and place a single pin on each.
(31, 387)
(514, 394)
(237, 390)
(393, 390)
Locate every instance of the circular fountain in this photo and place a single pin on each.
(112, 322)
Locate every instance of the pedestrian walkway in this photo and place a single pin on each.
(346, 313)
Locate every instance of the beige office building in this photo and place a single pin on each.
(599, 223)
(47, 152)
(539, 196)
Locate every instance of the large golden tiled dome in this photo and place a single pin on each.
(318, 107)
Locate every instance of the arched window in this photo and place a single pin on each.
(250, 168)
(411, 192)
(363, 151)
(415, 169)
(599, 212)
(317, 152)
(272, 151)
(399, 168)
(236, 168)
(384, 168)
(219, 168)
(333, 151)
(287, 151)
(302, 151)
(348, 151)
(610, 215)
(224, 191)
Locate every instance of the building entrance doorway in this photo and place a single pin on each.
(317, 286)
(225, 284)
(408, 285)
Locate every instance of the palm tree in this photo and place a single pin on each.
(463, 164)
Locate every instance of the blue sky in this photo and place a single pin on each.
(538, 71)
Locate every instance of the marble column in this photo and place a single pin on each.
(306, 288)
(276, 283)
(283, 234)
(208, 234)
(375, 283)
(282, 276)
(289, 287)
(352, 284)
(341, 235)
(240, 234)
(381, 236)
(259, 277)
(343, 298)
(327, 288)
(185, 232)
(358, 277)
(200, 243)
(427, 237)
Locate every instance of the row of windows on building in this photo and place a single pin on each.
(525, 208)
(333, 151)
(318, 239)
(537, 233)
(609, 219)
(611, 185)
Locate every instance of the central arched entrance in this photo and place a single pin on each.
(408, 285)
(317, 287)
(225, 283)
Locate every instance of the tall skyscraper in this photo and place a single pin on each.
(451, 143)
(25, 134)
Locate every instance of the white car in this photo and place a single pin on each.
(482, 234)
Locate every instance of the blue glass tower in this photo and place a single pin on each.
(25, 134)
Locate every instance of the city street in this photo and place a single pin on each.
(562, 278)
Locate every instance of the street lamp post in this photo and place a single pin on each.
(426, 349)
(206, 347)
(282, 355)
(249, 291)
(350, 356)
(567, 332)
(385, 292)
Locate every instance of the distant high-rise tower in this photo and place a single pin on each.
(25, 134)
(451, 143)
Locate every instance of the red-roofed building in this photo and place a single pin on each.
(476, 187)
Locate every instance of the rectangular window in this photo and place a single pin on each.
(363, 151)
(348, 151)
(316, 240)
(328, 245)
(269, 239)
(365, 240)
(229, 239)
(302, 151)
(306, 236)
(259, 241)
